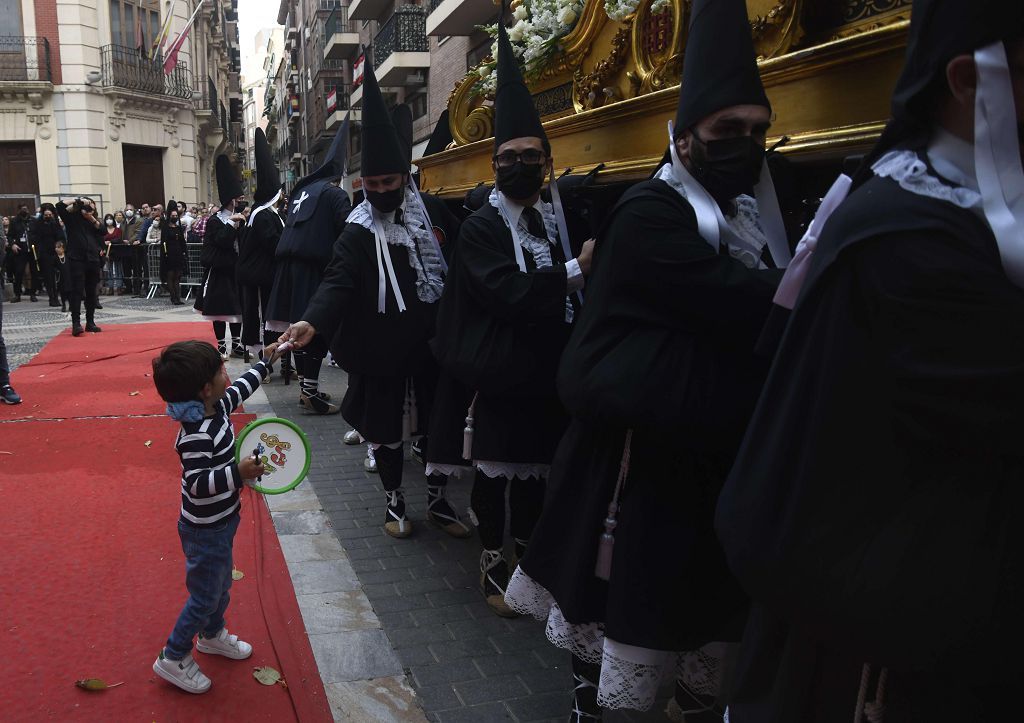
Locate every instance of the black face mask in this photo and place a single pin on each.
(521, 181)
(386, 201)
(174, 220)
(23, 214)
(727, 167)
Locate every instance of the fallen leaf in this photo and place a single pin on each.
(134, 394)
(95, 684)
(268, 676)
(148, 442)
(236, 574)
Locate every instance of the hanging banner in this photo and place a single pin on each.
(357, 71)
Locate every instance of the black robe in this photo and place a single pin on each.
(218, 296)
(665, 347)
(873, 511)
(304, 250)
(255, 272)
(172, 248)
(500, 334)
(380, 352)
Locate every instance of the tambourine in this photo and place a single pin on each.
(282, 448)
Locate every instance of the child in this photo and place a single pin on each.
(190, 377)
(60, 275)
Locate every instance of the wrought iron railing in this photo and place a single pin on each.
(205, 97)
(125, 67)
(341, 101)
(223, 118)
(405, 31)
(337, 22)
(24, 58)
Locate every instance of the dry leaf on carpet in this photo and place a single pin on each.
(237, 574)
(95, 684)
(268, 676)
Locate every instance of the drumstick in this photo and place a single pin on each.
(256, 459)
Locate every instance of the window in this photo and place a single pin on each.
(474, 56)
(418, 104)
(128, 17)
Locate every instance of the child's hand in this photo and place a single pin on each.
(271, 353)
(250, 469)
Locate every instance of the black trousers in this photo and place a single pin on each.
(82, 284)
(22, 263)
(174, 284)
(140, 267)
(254, 312)
(48, 276)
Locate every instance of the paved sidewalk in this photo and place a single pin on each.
(465, 663)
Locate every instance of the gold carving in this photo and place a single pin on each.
(658, 46)
(591, 90)
(778, 29)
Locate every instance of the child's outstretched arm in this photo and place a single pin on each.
(243, 387)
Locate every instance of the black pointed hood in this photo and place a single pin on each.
(401, 116)
(335, 162)
(172, 204)
(515, 116)
(940, 30)
(720, 67)
(268, 181)
(383, 151)
(229, 186)
(441, 136)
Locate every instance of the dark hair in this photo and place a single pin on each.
(184, 368)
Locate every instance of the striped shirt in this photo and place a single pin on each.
(210, 483)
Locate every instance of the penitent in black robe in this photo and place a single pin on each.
(665, 347)
(501, 332)
(380, 352)
(873, 512)
(217, 298)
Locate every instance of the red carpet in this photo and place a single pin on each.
(92, 576)
(96, 375)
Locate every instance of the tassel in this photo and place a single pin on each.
(606, 546)
(606, 543)
(467, 433)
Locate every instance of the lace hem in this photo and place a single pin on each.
(449, 470)
(630, 675)
(907, 169)
(512, 470)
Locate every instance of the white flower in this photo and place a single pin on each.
(521, 13)
(518, 31)
(483, 71)
(567, 16)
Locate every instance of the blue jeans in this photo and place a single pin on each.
(208, 566)
(5, 369)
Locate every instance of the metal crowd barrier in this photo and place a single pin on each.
(190, 278)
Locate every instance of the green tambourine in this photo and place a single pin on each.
(283, 449)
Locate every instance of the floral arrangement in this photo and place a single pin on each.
(539, 26)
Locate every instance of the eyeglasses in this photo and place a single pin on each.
(529, 157)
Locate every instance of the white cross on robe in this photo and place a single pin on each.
(297, 203)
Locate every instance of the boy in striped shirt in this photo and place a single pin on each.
(190, 376)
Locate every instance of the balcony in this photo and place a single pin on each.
(367, 9)
(340, 39)
(24, 60)
(125, 70)
(400, 50)
(459, 17)
(205, 99)
(335, 114)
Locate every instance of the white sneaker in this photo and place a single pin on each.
(352, 437)
(370, 463)
(224, 644)
(184, 673)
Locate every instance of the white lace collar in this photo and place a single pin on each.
(907, 169)
(225, 217)
(416, 234)
(745, 225)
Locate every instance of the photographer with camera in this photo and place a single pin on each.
(84, 239)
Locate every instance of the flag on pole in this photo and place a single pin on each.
(161, 38)
(140, 38)
(172, 54)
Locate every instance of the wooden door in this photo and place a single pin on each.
(18, 175)
(143, 175)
